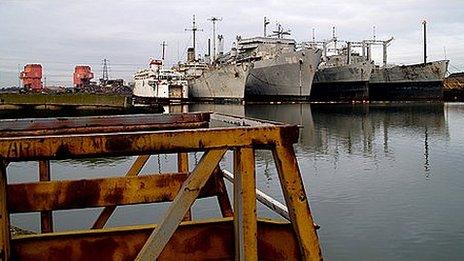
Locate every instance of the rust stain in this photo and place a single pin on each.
(118, 144)
(63, 150)
(98, 249)
(86, 192)
(115, 196)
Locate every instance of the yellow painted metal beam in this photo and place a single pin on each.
(246, 245)
(133, 171)
(223, 196)
(182, 166)
(183, 201)
(71, 194)
(4, 216)
(136, 143)
(297, 202)
(46, 217)
(198, 240)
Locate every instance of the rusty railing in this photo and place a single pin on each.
(238, 234)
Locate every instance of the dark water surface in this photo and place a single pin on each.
(384, 181)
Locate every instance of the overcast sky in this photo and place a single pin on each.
(61, 34)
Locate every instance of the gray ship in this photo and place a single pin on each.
(220, 79)
(225, 82)
(342, 77)
(422, 81)
(414, 82)
(281, 71)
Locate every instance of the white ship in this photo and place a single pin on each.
(159, 83)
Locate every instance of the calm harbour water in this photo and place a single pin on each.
(384, 181)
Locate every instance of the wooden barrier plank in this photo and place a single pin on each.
(183, 201)
(46, 217)
(70, 194)
(246, 246)
(4, 216)
(297, 202)
(133, 171)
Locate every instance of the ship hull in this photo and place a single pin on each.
(408, 83)
(287, 76)
(342, 83)
(221, 83)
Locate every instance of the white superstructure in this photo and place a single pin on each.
(157, 82)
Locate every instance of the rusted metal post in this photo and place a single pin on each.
(245, 220)
(297, 202)
(46, 217)
(223, 197)
(183, 201)
(182, 162)
(183, 167)
(133, 171)
(4, 216)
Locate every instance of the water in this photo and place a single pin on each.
(384, 181)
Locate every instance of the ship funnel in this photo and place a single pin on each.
(233, 52)
(190, 54)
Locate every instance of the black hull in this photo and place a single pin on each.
(276, 98)
(406, 91)
(156, 101)
(456, 95)
(217, 100)
(340, 91)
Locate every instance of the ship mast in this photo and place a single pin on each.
(214, 20)
(425, 40)
(266, 22)
(194, 29)
(163, 45)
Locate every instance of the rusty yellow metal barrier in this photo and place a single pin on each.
(240, 234)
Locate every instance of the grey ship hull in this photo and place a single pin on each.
(342, 83)
(287, 76)
(223, 83)
(409, 82)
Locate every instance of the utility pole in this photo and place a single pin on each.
(163, 45)
(266, 22)
(425, 40)
(19, 76)
(194, 29)
(104, 78)
(214, 20)
(314, 36)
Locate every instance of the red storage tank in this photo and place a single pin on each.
(82, 75)
(32, 77)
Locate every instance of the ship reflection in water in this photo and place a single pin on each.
(360, 129)
(384, 180)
